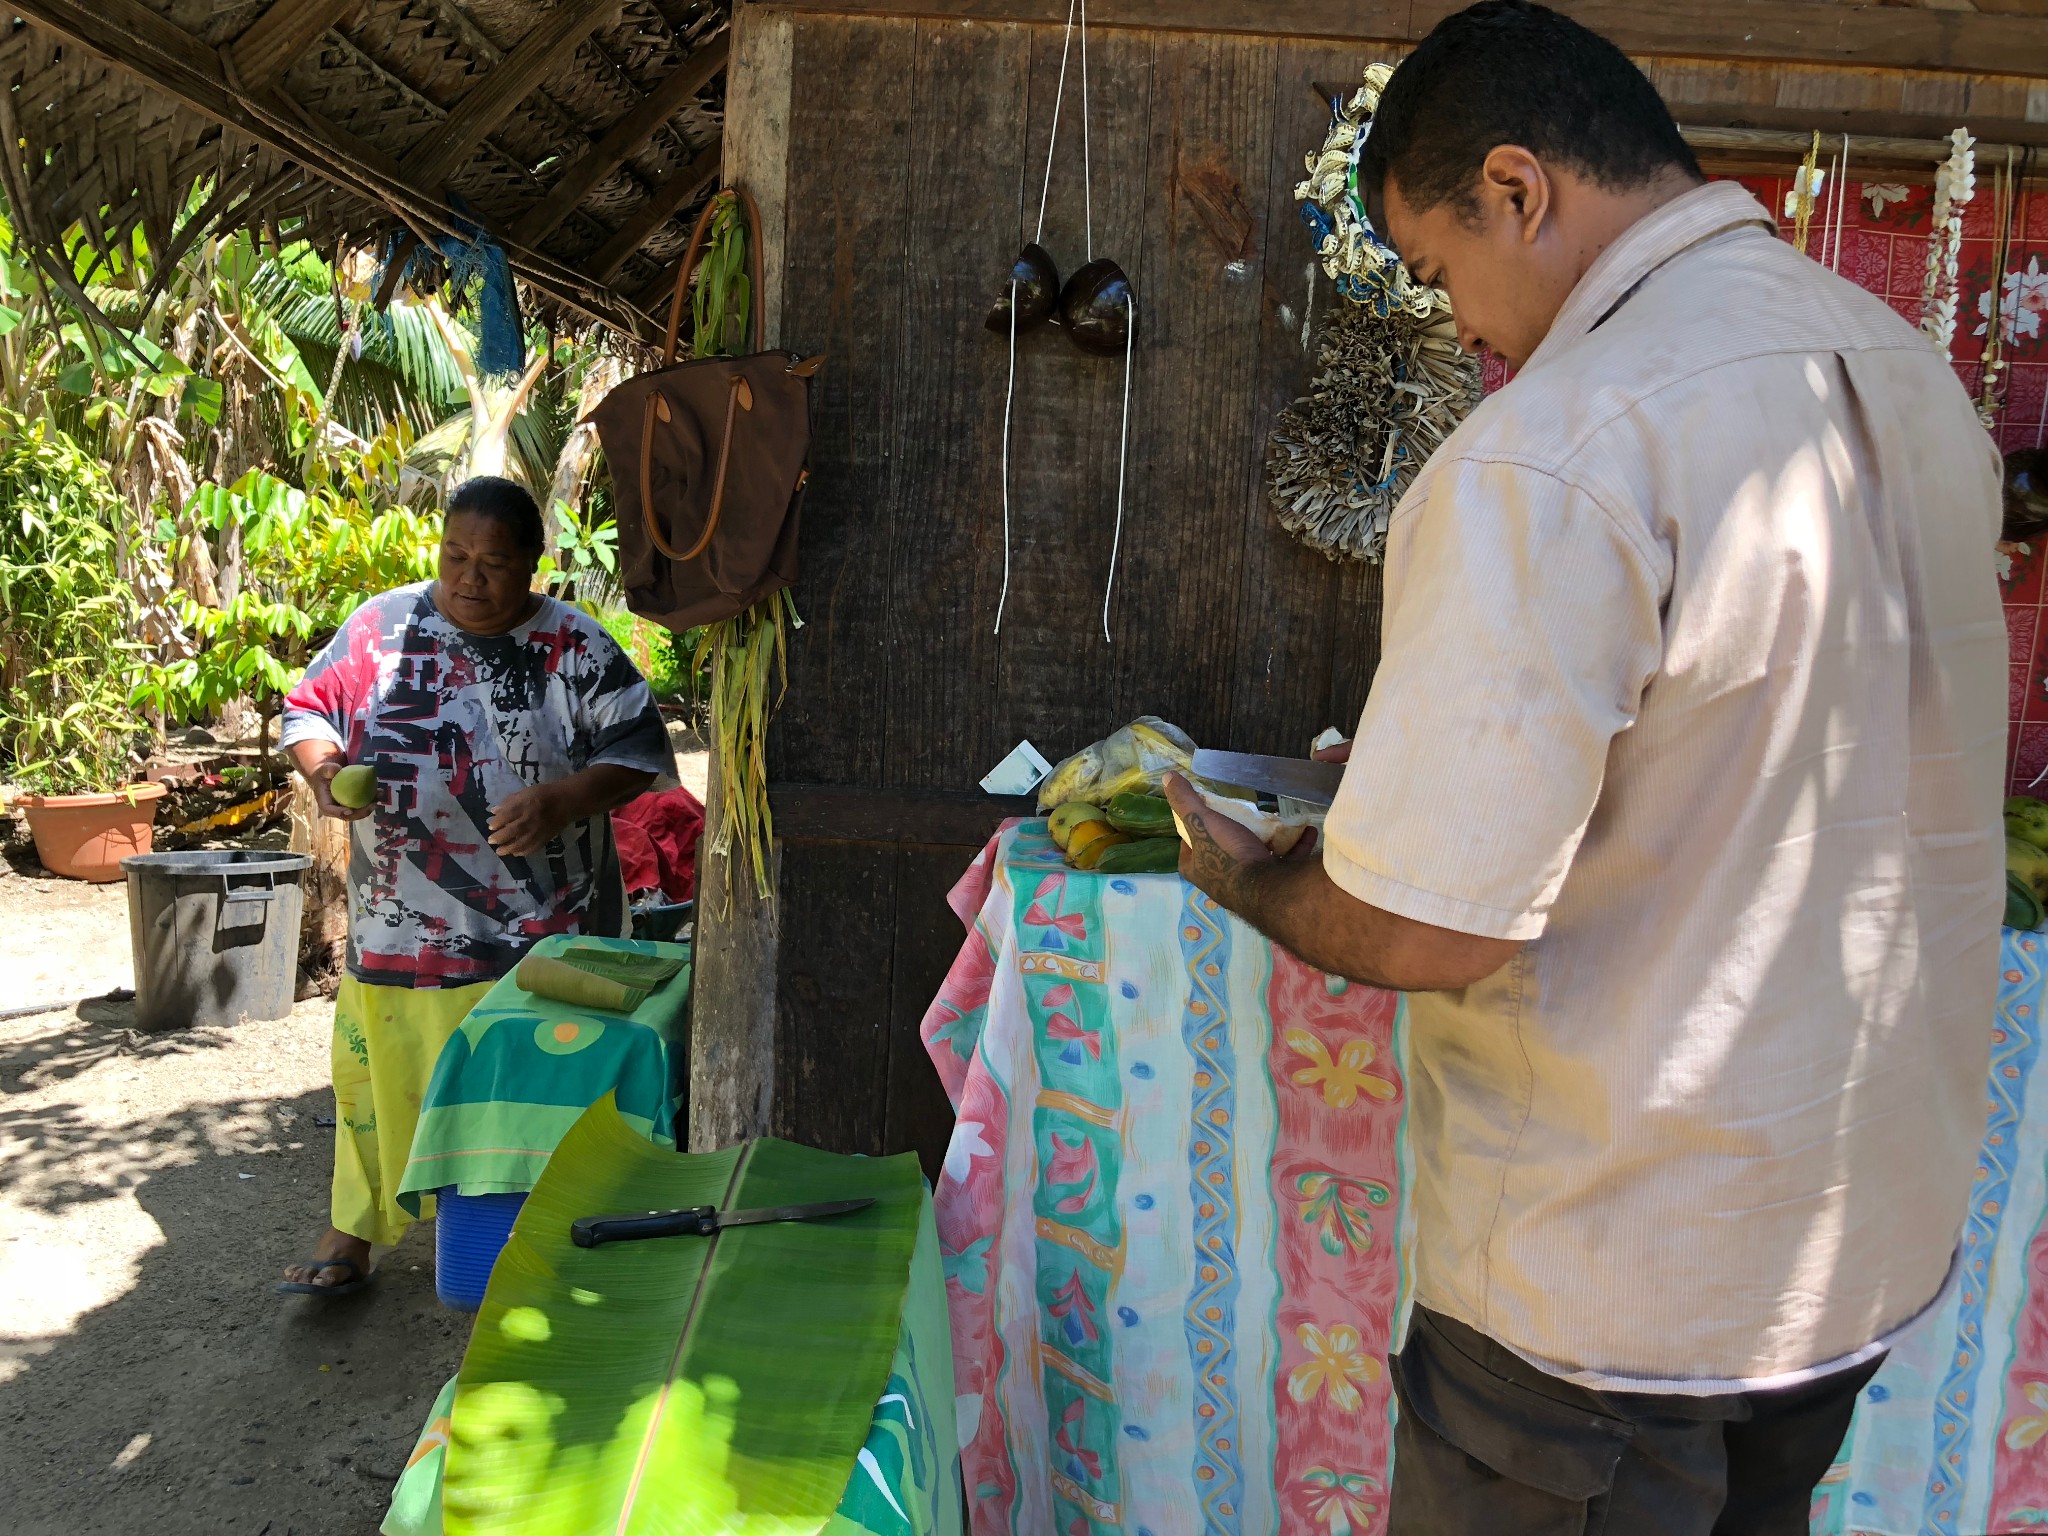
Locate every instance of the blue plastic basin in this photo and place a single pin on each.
(469, 1234)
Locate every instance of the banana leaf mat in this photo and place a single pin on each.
(521, 1069)
(779, 1380)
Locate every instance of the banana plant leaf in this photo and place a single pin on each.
(723, 1386)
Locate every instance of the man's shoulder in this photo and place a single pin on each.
(1695, 339)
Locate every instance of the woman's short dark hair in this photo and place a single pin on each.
(504, 503)
(1509, 72)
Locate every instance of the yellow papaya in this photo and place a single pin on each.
(1069, 816)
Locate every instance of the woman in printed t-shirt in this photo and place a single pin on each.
(504, 726)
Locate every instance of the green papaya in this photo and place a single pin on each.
(354, 786)
(1147, 856)
(2027, 819)
(1141, 815)
(2022, 907)
(2022, 858)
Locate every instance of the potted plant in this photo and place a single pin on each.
(67, 619)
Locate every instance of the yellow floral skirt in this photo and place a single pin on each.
(386, 1041)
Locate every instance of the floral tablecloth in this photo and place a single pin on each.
(1951, 1438)
(1172, 1215)
(1168, 1215)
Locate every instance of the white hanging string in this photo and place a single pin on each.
(1827, 207)
(1123, 449)
(1059, 97)
(1841, 204)
(1009, 396)
(1087, 165)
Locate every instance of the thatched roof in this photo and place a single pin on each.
(581, 135)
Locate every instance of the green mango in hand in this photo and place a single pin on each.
(354, 787)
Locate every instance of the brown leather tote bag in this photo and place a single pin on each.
(708, 462)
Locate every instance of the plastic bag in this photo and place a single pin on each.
(1138, 757)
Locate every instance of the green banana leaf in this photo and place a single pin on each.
(681, 1385)
(906, 1481)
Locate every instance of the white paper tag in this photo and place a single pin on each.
(1019, 773)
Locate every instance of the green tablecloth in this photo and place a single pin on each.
(521, 1069)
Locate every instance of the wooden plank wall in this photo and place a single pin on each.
(916, 150)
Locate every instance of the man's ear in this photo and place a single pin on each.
(1516, 184)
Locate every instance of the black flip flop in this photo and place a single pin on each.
(360, 1278)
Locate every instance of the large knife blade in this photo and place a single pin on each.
(697, 1221)
(1298, 778)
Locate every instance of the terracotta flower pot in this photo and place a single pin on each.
(87, 836)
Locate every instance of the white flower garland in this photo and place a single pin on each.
(1955, 183)
(1363, 266)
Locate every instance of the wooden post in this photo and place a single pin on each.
(732, 1017)
(732, 1022)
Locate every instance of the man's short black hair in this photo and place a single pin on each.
(504, 503)
(1509, 72)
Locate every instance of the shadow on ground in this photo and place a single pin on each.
(198, 1401)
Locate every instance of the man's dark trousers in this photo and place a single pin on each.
(1487, 1445)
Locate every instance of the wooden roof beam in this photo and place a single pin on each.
(494, 97)
(276, 40)
(622, 141)
(671, 193)
(1812, 31)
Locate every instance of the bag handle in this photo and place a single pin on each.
(739, 397)
(694, 255)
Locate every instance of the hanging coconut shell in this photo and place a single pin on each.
(1035, 282)
(1096, 308)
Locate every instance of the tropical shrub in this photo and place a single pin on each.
(308, 559)
(66, 615)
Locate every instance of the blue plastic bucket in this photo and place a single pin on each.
(469, 1234)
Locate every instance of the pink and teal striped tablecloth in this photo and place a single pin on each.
(1169, 1212)
(1171, 1220)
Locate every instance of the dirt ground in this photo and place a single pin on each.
(151, 1189)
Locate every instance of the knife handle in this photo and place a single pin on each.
(594, 1231)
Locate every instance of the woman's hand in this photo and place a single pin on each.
(318, 762)
(526, 821)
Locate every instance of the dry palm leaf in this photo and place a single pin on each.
(1393, 381)
(1389, 392)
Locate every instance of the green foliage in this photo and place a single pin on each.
(319, 432)
(66, 616)
(661, 656)
(310, 558)
(723, 298)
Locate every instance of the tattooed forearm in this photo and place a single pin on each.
(1215, 870)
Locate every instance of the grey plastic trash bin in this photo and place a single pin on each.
(215, 935)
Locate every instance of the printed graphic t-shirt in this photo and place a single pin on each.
(454, 724)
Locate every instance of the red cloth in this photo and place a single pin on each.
(657, 837)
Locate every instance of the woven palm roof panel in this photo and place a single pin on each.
(582, 136)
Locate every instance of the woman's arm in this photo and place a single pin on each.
(525, 822)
